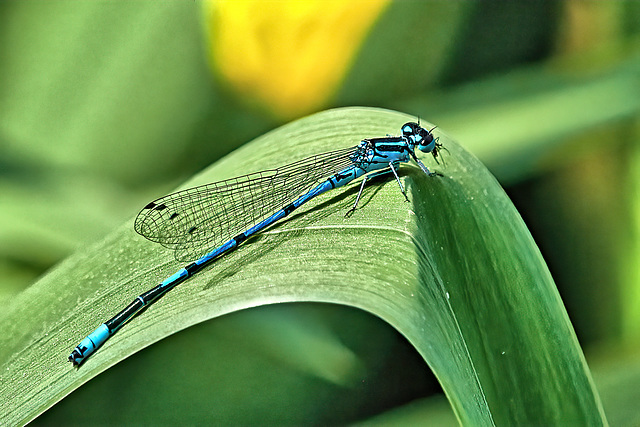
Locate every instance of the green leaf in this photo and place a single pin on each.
(455, 271)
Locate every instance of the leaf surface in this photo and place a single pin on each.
(455, 271)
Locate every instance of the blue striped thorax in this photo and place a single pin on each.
(377, 153)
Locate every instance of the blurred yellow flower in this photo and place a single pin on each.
(289, 56)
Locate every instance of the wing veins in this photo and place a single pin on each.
(199, 218)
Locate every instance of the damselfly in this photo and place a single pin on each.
(224, 214)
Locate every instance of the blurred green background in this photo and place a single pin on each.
(105, 105)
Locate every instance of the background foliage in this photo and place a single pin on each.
(106, 105)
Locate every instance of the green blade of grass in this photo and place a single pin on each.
(455, 271)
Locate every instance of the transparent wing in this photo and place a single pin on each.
(195, 220)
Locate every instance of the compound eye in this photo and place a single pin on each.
(408, 129)
(427, 137)
(427, 143)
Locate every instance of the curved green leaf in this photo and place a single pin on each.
(455, 271)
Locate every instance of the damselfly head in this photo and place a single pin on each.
(421, 138)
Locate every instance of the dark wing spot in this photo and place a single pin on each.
(173, 215)
(191, 230)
